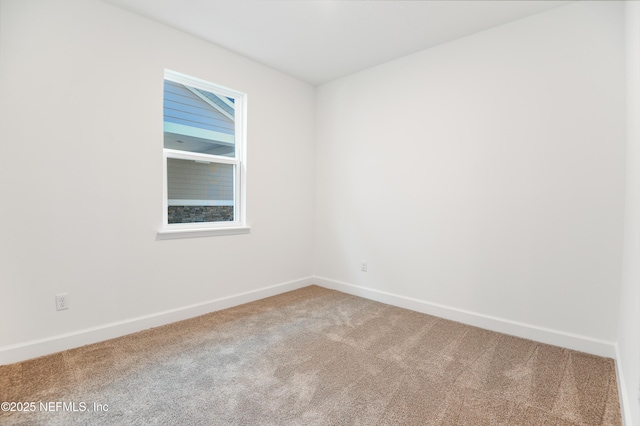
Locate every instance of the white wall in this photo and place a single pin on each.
(485, 175)
(81, 86)
(629, 327)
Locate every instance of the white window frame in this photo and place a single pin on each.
(203, 229)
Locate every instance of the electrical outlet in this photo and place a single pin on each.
(363, 268)
(62, 301)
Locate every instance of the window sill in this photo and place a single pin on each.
(169, 234)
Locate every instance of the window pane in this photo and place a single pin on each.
(196, 120)
(200, 192)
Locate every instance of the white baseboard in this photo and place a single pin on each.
(35, 348)
(501, 325)
(622, 391)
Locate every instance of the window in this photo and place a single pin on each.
(204, 163)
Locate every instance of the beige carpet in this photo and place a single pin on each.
(315, 357)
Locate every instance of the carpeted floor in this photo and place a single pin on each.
(315, 357)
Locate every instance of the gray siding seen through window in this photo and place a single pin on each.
(192, 183)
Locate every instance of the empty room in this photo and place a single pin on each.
(320, 212)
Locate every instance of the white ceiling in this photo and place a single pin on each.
(321, 40)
